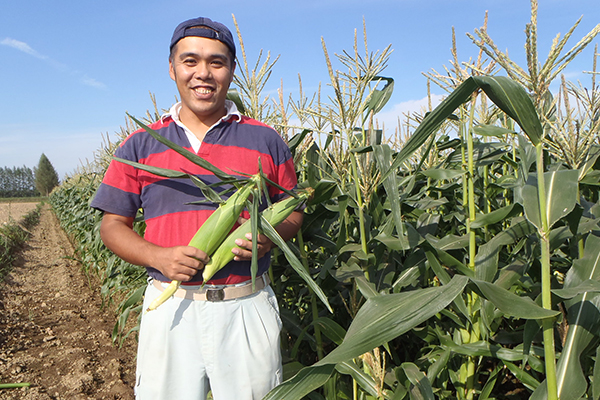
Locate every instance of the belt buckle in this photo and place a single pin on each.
(215, 294)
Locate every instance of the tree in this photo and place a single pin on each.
(17, 182)
(46, 177)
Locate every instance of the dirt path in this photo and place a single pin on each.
(11, 210)
(53, 333)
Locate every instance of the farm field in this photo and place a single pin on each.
(456, 259)
(15, 210)
(53, 331)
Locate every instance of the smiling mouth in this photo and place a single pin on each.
(203, 90)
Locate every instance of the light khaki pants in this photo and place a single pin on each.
(187, 348)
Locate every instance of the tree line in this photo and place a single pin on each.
(26, 182)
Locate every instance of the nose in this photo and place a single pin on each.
(202, 71)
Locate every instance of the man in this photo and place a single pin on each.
(190, 344)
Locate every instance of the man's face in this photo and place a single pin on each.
(203, 69)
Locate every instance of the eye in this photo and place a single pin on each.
(189, 61)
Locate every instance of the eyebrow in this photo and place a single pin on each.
(196, 55)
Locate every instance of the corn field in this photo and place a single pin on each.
(458, 257)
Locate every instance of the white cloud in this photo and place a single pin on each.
(25, 48)
(92, 82)
(397, 112)
(22, 46)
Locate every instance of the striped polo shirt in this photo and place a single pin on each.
(233, 145)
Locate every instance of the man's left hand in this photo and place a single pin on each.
(244, 251)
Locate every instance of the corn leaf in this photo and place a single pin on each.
(164, 172)
(561, 196)
(234, 95)
(596, 377)
(438, 365)
(297, 140)
(442, 173)
(304, 382)
(444, 277)
(383, 157)
(331, 329)
(207, 191)
(588, 285)
(373, 325)
(448, 242)
(364, 380)
(507, 94)
(512, 98)
(512, 304)
(323, 191)
(490, 383)
(486, 260)
(184, 152)
(379, 97)
(419, 381)
(254, 222)
(451, 262)
(496, 216)
(525, 378)
(211, 195)
(486, 349)
(379, 320)
(492, 130)
(293, 260)
(584, 322)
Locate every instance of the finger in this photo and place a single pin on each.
(245, 244)
(198, 255)
(241, 254)
(183, 274)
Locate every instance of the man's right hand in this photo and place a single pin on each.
(180, 263)
(176, 263)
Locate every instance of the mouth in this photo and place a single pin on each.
(202, 91)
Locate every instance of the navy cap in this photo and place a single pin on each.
(204, 27)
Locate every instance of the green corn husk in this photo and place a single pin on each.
(275, 214)
(213, 231)
(216, 228)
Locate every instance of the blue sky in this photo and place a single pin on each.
(70, 70)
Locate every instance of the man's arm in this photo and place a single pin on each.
(287, 230)
(177, 263)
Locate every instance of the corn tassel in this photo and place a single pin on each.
(213, 231)
(275, 214)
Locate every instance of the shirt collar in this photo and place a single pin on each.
(231, 112)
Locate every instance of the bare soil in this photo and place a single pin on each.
(14, 211)
(54, 333)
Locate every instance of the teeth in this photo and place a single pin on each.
(203, 90)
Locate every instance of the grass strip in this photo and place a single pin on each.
(13, 236)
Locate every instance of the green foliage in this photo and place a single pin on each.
(17, 182)
(13, 236)
(119, 279)
(46, 177)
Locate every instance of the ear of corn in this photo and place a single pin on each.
(167, 293)
(216, 228)
(213, 231)
(275, 214)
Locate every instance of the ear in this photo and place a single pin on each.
(171, 70)
(232, 72)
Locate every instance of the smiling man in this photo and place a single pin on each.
(194, 343)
